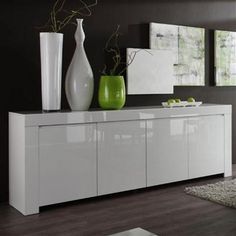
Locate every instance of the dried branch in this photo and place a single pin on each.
(112, 48)
(59, 18)
(87, 8)
(130, 60)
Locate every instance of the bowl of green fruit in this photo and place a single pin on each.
(176, 102)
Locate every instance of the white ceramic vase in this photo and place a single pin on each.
(51, 69)
(79, 83)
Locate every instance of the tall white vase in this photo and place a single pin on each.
(79, 78)
(51, 67)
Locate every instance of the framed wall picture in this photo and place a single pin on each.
(151, 72)
(225, 58)
(188, 46)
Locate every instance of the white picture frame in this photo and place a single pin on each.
(151, 72)
(225, 58)
(188, 45)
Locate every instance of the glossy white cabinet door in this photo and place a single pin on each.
(206, 145)
(167, 150)
(67, 163)
(121, 156)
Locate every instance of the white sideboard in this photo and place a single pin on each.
(64, 156)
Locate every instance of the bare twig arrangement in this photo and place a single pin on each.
(112, 47)
(59, 17)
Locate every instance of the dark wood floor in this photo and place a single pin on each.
(164, 210)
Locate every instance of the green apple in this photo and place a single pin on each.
(191, 99)
(177, 100)
(170, 101)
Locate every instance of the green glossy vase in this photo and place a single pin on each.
(111, 93)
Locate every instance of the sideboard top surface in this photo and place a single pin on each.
(40, 118)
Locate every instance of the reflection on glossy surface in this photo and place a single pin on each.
(67, 158)
(206, 145)
(178, 127)
(80, 135)
(126, 114)
(167, 151)
(121, 156)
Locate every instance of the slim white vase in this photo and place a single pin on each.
(79, 78)
(51, 68)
